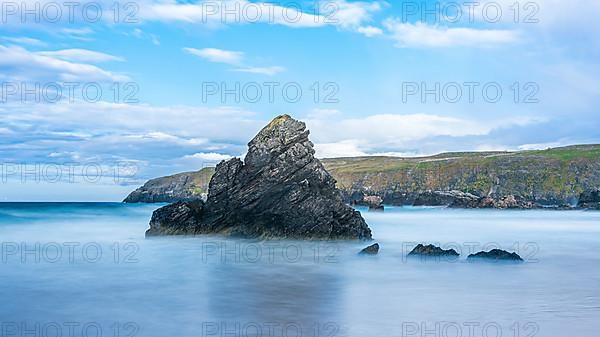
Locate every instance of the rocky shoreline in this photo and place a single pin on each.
(458, 199)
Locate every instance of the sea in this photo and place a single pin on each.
(86, 269)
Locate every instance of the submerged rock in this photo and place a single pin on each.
(371, 250)
(431, 250)
(496, 254)
(280, 190)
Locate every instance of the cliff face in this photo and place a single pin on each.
(178, 187)
(280, 190)
(550, 177)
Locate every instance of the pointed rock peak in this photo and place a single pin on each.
(278, 120)
(281, 135)
(282, 130)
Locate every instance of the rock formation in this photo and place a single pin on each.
(505, 202)
(371, 250)
(589, 199)
(431, 250)
(496, 255)
(444, 198)
(280, 190)
(375, 203)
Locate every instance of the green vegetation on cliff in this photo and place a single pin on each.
(177, 187)
(552, 176)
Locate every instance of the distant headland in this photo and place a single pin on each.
(563, 178)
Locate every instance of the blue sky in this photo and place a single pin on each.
(366, 58)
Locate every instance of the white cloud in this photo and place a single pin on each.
(167, 138)
(130, 130)
(340, 13)
(78, 31)
(81, 34)
(354, 14)
(140, 34)
(80, 55)
(269, 71)
(25, 40)
(210, 156)
(23, 65)
(235, 58)
(395, 132)
(217, 55)
(352, 148)
(345, 148)
(543, 146)
(424, 35)
(370, 31)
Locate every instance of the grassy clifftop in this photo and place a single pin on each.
(549, 176)
(181, 186)
(552, 176)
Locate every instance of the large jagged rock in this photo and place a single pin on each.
(280, 190)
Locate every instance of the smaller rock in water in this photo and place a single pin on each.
(374, 202)
(431, 250)
(379, 208)
(371, 250)
(496, 255)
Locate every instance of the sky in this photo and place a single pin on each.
(96, 97)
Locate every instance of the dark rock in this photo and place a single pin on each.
(431, 250)
(496, 254)
(374, 202)
(280, 190)
(505, 202)
(371, 250)
(444, 198)
(563, 207)
(589, 199)
(379, 208)
(178, 218)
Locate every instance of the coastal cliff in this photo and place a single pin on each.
(178, 187)
(553, 177)
(526, 179)
(280, 190)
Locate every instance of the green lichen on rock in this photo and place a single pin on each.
(278, 120)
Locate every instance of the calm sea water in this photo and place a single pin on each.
(85, 269)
